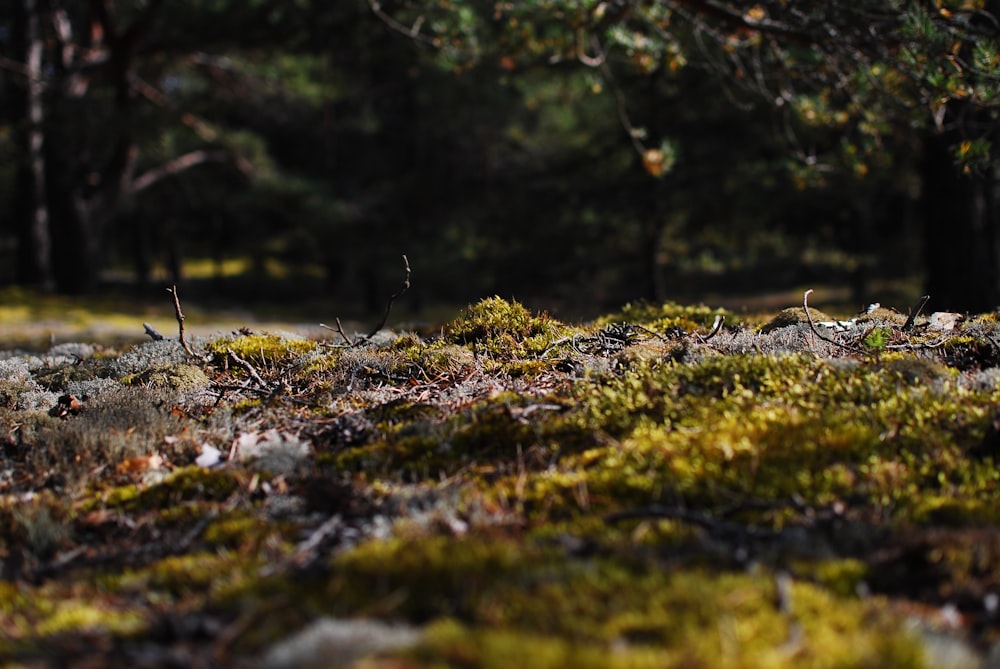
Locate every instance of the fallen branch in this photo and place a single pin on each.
(151, 331)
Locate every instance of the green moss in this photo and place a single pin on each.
(245, 404)
(503, 330)
(194, 576)
(932, 509)
(843, 578)
(58, 378)
(439, 575)
(451, 644)
(539, 514)
(520, 602)
(31, 616)
(794, 316)
(182, 485)
(262, 350)
(246, 532)
(176, 377)
(764, 427)
(441, 358)
(77, 615)
(664, 318)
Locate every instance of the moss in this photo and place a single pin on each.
(182, 485)
(673, 504)
(931, 509)
(76, 615)
(32, 615)
(882, 315)
(58, 378)
(765, 427)
(439, 575)
(523, 603)
(246, 532)
(112, 426)
(451, 644)
(503, 330)
(181, 377)
(668, 318)
(245, 405)
(262, 350)
(917, 370)
(195, 576)
(844, 578)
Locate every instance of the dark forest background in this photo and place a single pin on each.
(574, 155)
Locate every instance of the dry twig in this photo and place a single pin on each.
(921, 303)
(385, 317)
(247, 367)
(180, 322)
(812, 326)
(339, 329)
(151, 331)
(392, 299)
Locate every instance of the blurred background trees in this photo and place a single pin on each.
(575, 155)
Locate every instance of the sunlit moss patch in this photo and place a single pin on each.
(262, 349)
(500, 329)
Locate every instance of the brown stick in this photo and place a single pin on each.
(339, 329)
(921, 303)
(180, 322)
(151, 331)
(812, 326)
(388, 307)
(247, 367)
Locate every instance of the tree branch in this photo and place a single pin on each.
(178, 165)
(393, 298)
(725, 15)
(412, 32)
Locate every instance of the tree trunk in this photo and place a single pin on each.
(31, 212)
(961, 232)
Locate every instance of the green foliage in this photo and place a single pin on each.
(877, 338)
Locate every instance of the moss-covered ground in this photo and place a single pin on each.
(657, 488)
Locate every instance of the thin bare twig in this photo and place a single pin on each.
(413, 32)
(348, 342)
(247, 367)
(340, 330)
(812, 326)
(716, 328)
(151, 331)
(178, 165)
(921, 303)
(180, 322)
(392, 299)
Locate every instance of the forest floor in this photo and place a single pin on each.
(665, 486)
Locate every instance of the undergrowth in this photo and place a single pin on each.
(660, 487)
